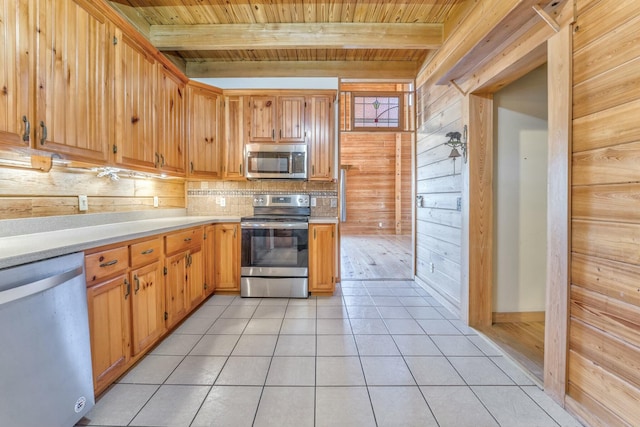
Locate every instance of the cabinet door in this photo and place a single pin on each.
(15, 73)
(227, 257)
(147, 306)
(234, 137)
(321, 257)
(205, 146)
(170, 95)
(176, 299)
(195, 277)
(262, 118)
(209, 256)
(291, 118)
(73, 99)
(109, 316)
(321, 138)
(135, 83)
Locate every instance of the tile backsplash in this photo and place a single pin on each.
(234, 198)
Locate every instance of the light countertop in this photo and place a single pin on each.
(24, 248)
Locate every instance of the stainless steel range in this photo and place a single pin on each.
(275, 247)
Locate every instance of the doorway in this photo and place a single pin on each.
(375, 156)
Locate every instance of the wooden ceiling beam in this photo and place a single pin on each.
(296, 36)
(343, 69)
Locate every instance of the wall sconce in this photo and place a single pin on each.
(457, 140)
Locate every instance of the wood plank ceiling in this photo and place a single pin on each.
(314, 38)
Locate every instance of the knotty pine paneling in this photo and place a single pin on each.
(371, 182)
(604, 336)
(26, 193)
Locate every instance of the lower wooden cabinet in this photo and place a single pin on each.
(109, 326)
(139, 290)
(227, 256)
(147, 306)
(322, 258)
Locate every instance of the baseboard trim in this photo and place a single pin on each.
(521, 316)
(440, 297)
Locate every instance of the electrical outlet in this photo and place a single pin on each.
(432, 267)
(459, 203)
(83, 203)
(379, 225)
(223, 202)
(314, 202)
(334, 203)
(156, 202)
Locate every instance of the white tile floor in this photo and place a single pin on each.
(379, 353)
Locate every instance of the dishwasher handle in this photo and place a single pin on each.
(23, 291)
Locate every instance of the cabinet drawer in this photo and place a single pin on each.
(146, 252)
(184, 240)
(106, 263)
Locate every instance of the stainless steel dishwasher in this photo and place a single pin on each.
(45, 355)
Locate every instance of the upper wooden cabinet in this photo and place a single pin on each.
(56, 97)
(16, 87)
(232, 167)
(170, 122)
(321, 137)
(135, 82)
(276, 118)
(204, 135)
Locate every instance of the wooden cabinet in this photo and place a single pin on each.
(135, 82)
(147, 295)
(73, 102)
(184, 281)
(170, 101)
(322, 257)
(321, 137)
(204, 131)
(227, 256)
(109, 317)
(108, 300)
(232, 167)
(209, 256)
(55, 78)
(276, 118)
(16, 74)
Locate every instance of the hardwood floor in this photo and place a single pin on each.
(524, 341)
(376, 257)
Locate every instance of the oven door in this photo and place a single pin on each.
(275, 249)
(275, 260)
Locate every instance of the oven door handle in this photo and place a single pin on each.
(276, 225)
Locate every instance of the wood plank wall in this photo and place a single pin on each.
(438, 222)
(26, 193)
(371, 182)
(604, 335)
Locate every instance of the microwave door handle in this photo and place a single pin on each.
(290, 162)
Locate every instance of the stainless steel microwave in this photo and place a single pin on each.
(273, 161)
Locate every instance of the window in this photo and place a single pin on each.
(376, 111)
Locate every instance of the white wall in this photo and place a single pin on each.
(272, 82)
(521, 194)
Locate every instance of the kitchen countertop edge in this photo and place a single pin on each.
(26, 248)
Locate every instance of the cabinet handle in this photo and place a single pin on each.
(187, 239)
(314, 234)
(137, 288)
(147, 252)
(27, 129)
(240, 168)
(128, 288)
(234, 231)
(44, 133)
(313, 169)
(161, 160)
(157, 163)
(191, 167)
(109, 263)
(273, 134)
(280, 133)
